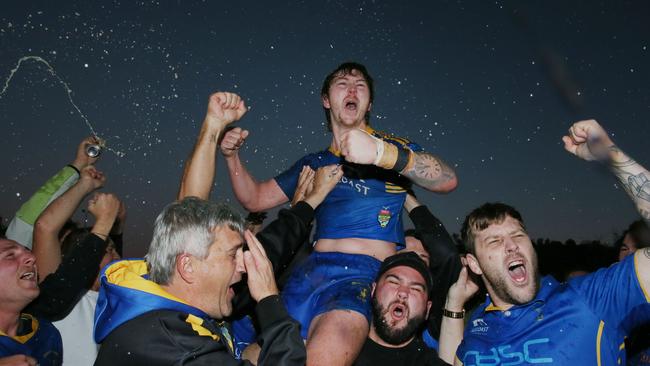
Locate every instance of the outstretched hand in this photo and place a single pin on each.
(588, 141)
(305, 184)
(324, 180)
(224, 108)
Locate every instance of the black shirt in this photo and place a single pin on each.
(414, 353)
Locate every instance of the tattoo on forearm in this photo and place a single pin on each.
(639, 186)
(429, 171)
(427, 167)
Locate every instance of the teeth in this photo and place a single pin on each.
(27, 276)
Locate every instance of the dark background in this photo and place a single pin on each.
(489, 86)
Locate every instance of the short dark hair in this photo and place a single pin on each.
(639, 233)
(484, 216)
(346, 68)
(408, 259)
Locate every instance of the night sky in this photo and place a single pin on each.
(489, 86)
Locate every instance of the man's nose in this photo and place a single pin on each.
(403, 292)
(511, 246)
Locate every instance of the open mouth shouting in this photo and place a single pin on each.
(29, 276)
(351, 105)
(398, 311)
(517, 271)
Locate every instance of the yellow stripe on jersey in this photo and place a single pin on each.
(393, 188)
(25, 337)
(646, 292)
(457, 361)
(197, 326)
(395, 191)
(384, 136)
(598, 338)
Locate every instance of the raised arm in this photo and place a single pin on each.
(589, 141)
(21, 226)
(422, 168)
(253, 195)
(78, 269)
(46, 246)
(198, 176)
(451, 328)
(444, 260)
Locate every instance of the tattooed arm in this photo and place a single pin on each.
(426, 170)
(589, 141)
(431, 173)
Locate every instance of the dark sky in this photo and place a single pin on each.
(489, 86)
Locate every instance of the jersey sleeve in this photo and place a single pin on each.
(21, 227)
(398, 141)
(615, 293)
(288, 180)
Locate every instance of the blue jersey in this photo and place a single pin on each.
(582, 322)
(38, 339)
(366, 203)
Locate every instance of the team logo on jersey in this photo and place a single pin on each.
(384, 217)
(479, 326)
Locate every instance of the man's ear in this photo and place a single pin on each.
(372, 290)
(185, 267)
(326, 101)
(428, 309)
(472, 262)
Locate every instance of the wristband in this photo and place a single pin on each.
(380, 150)
(75, 168)
(102, 236)
(388, 159)
(404, 158)
(453, 314)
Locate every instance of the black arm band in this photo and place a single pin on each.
(75, 168)
(403, 157)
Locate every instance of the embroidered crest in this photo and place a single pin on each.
(383, 217)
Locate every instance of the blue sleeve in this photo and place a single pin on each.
(615, 293)
(288, 180)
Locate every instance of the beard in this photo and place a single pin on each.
(393, 335)
(503, 288)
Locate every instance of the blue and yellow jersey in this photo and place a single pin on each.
(366, 203)
(582, 322)
(36, 338)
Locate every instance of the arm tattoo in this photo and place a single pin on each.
(429, 172)
(634, 179)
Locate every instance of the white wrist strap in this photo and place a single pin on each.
(380, 149)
